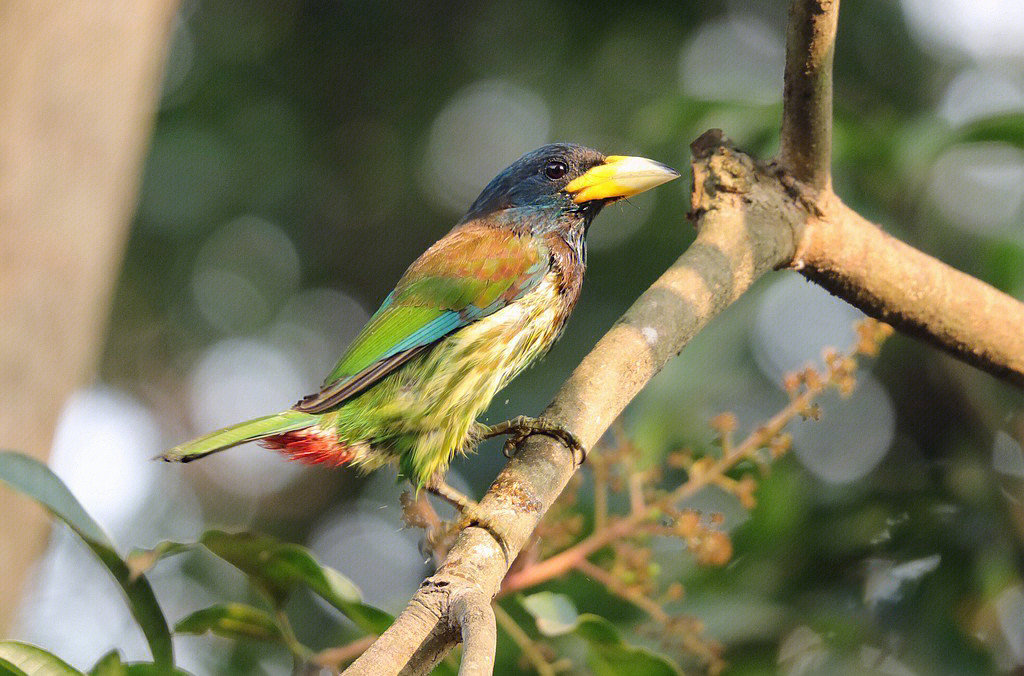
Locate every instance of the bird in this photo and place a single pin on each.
(467, 316)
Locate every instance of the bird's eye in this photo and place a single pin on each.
(555, 170)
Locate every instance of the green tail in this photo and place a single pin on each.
(250, 430)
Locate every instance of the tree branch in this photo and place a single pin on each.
(529, 649)
(915, 293)
(805, 149)
(855, 259)
(750, 218)
(472, 611)
(747, 224)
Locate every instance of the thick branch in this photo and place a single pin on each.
(806, 145)
(915, 293)
(747, 225)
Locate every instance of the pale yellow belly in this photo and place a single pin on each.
(466, 370)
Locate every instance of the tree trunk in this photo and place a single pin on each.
(79, 81)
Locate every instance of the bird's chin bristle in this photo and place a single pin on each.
(311, 446)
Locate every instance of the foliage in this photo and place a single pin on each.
(31, 477)
(274, 568)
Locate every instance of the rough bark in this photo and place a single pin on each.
(79, 83)
(805, 148)
(915, 293)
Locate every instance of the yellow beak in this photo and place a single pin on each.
(619, 176)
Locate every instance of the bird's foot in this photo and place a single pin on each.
(472, 514)
(521, 427)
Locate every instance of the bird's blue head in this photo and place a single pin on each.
(561, 187)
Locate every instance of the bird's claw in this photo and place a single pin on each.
(521, 427)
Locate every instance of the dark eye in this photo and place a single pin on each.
(555, 169)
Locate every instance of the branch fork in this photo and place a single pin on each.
(751, 217)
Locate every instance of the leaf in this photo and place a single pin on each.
(152, 669)
(278, 567)
(1004, 128)
(35, 480)
(140, 561)
(109, 665)
(23, 658)
(370, 619)
(610, 655)
(231, 620)
(8, 669)
(555, 614)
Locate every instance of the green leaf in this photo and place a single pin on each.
(368, 618)
(140, 561)
(555, 614)
(8, 669)
(109, 665)
(23, 658)
(276, 568)
(35, 480)
(609, 655)
(151, 669)
(231, 620)
(1003, 128)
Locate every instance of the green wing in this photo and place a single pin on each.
(469, 274)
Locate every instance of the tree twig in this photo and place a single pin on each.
(333, 658)
(622, 590)
(563, 562)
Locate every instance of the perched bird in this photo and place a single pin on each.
(468, 315)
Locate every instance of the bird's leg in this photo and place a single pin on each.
(472, 514)
(467, 507)
(521, 427)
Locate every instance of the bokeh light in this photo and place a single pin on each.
(981, 29)
(734, 58)
(102, 449)
(979, 188)
(852, 437)
(795, 322)
(243, 271)
(979, 92)
(313, 328)
(482, 129)
(239, 379)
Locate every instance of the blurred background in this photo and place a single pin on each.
(304, 153)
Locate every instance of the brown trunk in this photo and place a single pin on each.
(79, 81)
